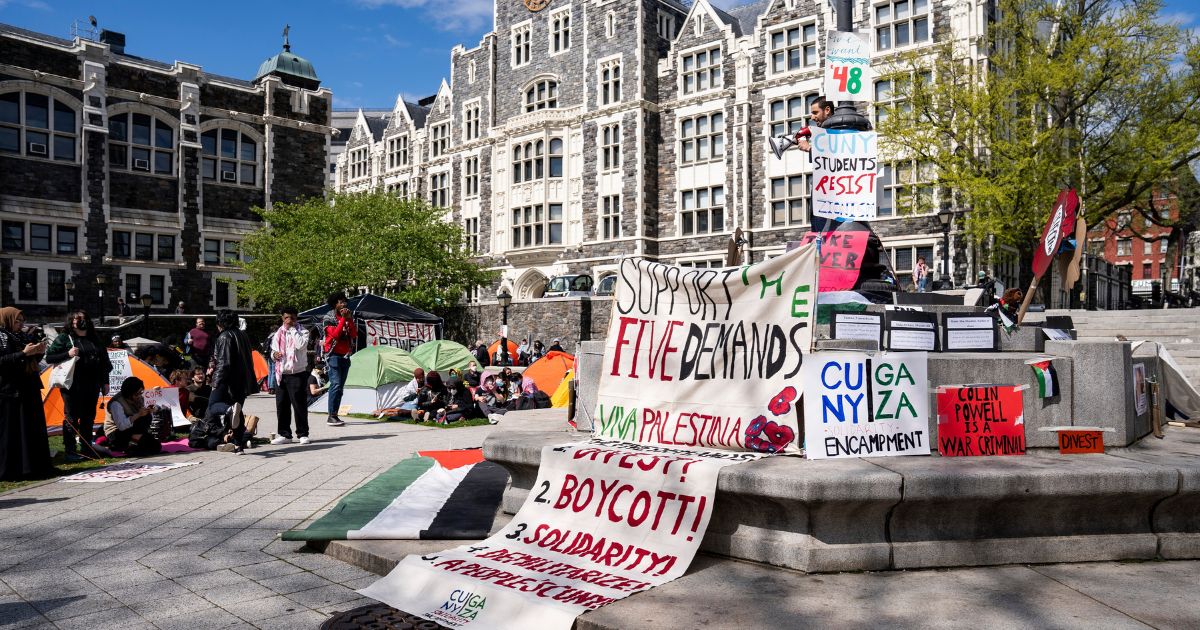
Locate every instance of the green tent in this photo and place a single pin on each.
(380, 365)
(442, 355)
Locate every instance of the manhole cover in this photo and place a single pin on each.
(378, 617)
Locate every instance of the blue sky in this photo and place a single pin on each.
(366, 51)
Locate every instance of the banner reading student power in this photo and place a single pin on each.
(708, 358)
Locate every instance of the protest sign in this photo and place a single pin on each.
(854, 325)
(604, 520)
(708, 357)
(860, 404)
(848, 73)
(403, 335)
(167, 397)
(968, 331)
(122, 472)
(121, 369)
(981, 420)
(1058, 226)
(844, 171)
(1141, 399)
(1057, 334)
(911, 330)
(1075, 442)
(841, 257)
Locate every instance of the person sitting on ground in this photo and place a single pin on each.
(461, 405)
(127, 424)
(180, 379)
(199, 390)
(317, 384)
(490, 400)
(454, 373)
(409, 393)
(523, 352)
(472, 375)
(433, 396)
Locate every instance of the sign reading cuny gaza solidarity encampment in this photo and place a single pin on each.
(604, 520)
(981, 420)
(844, 171)
(858, 404)
(708, 357)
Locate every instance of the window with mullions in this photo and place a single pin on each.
(143, 246)
(397, 152)
(530, 162)
(610, 217)
(471, 231)
(471, 122)
(158, 293)
(893, 94)
(230, 156)
(166, 247)
(560, 31)
(68, 240)
(702, 211)
(789, 200)
(471, 177)
(56, 280)
(122, 243)
(520, 45)
(541, 95)
(439, 190)
(534, 226)
(140, 142)
(901, 23)
(702, 138)
(610, 147)
(439, 140)
(794, 48)
(610, 82)
(14, 236)
(789, 115)
(37, 125)
(701, 70)
(40, 237)
(904, 187)
(27, 285)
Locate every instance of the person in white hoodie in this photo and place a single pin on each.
(289, 350)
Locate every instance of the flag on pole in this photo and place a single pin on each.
(1046, 376)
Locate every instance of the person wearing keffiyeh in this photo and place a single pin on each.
(289, 350)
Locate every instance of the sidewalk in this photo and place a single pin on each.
(196, 547)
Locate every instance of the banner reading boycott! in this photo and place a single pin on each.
(708, 358)
(844, 170)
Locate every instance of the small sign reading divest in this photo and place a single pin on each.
(981, 420)
(858, 404)
(848, 73)
(121, 369)
(844, 171)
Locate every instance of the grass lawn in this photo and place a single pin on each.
(473, 422)
(61, 467)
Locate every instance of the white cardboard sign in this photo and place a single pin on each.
(844, 173)
(848, 73)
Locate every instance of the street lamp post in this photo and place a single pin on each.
(146, 302)
(945, 217)
(101, 280)
(504, 299)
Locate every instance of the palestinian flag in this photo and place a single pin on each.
(1046, 376)
(438, 495)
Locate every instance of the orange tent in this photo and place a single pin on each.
(52, 402)
(512, 351)
(260, 366)
(547, 373)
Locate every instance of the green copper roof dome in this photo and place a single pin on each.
(290, 67)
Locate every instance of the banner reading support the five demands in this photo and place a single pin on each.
(708, 358)
(866, 405)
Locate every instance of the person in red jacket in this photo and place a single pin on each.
(340, 337)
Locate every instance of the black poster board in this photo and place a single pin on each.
(1061, 322)
(912, 330)
(969, 332)
(847, 324)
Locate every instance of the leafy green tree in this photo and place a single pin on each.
(401, 248)
(1099, 95)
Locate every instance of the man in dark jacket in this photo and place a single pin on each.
(233, 374)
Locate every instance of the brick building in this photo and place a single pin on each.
(123, 176)
(1128, 239)
(590, 129)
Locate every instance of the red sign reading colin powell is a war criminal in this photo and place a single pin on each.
(981, 420)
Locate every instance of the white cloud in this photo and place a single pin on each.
(728, 4)
(448, 16)
(393, 41)
(1181, 18)
(345, 103)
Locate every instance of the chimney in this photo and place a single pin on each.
(115, 40)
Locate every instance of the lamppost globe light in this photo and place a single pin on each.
(146, 300)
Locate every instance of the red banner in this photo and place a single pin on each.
(1059, 226)
(841, 258)
(981, 420)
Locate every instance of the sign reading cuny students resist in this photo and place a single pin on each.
(708, 357)
(981, 420)
(604, 520)
(844, 171)
(859, 404)
(848, 73)
(841, 257)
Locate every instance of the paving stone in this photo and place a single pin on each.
(158, 608)
(236, 593)
(207, 619)
(114, 619)
(267, 570)
(308, 619)
(61, 606)
(204, 581)
(17, 613)
(264, 608)
(296, 582)
(324, 596)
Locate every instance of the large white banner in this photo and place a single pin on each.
(860, 404)
(708, 358)
(404, 335)
(603, 521)
(844, 173)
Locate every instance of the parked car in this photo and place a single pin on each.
(568, 286)
(607, 285)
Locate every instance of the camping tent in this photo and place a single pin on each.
(374, 381)
(547, 373)
(562, 396)
(52, 402)
(442, 355)
(261, 369)
(384, 322)
(512, 351)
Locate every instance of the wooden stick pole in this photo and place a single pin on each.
(1028, 298)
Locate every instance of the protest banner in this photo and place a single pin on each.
(403, 335)
(1059, 226)
(859, 404)
(121, 369)
(167, 397)
(848, 73)
(604, 520)
(844, 172)
(841, 257)
(679, 336)
(981, 420)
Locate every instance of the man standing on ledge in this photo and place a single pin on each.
(340, 335)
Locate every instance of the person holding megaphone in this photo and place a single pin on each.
(821, 110)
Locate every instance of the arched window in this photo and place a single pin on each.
(229, 156)
(141, 142)
(37, 125)
(542, 95)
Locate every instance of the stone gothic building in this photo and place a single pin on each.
(578, 131)
(121, 176)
